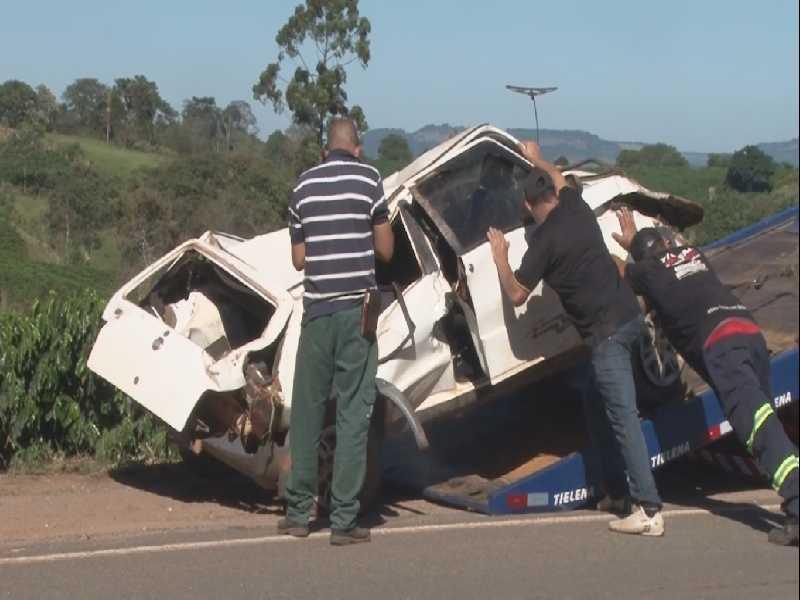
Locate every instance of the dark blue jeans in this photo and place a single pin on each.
(613, 419)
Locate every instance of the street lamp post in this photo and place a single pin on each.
(532, 92)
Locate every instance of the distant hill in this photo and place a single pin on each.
(576, 145)
(783, 151)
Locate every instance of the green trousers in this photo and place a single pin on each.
(333, 361)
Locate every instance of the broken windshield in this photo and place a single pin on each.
(482, 188)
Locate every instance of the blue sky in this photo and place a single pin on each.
(705, 75)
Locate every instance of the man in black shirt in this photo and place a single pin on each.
(717, 336)
(568, 252)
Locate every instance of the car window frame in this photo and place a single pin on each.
(437, 217)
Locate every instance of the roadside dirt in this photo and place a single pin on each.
(127, 501)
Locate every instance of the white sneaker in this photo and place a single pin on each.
(638, 523)
(617, 506)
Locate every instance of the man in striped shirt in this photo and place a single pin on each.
(338, 224)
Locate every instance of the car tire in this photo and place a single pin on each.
(657, 370)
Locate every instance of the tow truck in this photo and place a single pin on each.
(515, 456)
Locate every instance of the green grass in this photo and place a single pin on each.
(110, 159)
(725, 210)
(24, 276)
(686, 182)
(30, 212)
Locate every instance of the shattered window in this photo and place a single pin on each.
(482, 188)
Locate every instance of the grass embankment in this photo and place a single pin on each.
(29, 264)
(24, 276)
(109, 159)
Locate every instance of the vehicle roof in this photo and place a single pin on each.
(273, 250)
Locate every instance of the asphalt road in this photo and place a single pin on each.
(715, 547)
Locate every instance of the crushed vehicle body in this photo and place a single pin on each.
(206, 337)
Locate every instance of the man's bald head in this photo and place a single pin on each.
(342, 135)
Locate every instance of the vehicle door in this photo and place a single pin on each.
(483, 187)
(410, 354)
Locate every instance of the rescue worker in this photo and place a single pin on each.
(568, 252)
(719, 339)
(338, 224)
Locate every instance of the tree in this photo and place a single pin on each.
(655, 155)
(561, 161)
(46, 106)
(86, 101)
(238, 117)
(143, 107)
(78, 208)
(17, 102)
(394, 147)
(335, 31)
(750, 170)
(203, 118)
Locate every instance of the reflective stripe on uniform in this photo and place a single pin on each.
(789, 464)
(762, 414)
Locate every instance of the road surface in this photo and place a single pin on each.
(715, 547)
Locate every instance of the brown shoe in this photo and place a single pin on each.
(289, 527)
(345, 537)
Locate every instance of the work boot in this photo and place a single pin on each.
(639, 523)
(786, 535)
(617, 506)
(288, 527)
(345, 537)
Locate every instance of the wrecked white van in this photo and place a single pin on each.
(206, 337)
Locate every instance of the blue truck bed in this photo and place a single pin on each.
(555, 478)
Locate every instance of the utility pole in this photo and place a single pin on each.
(108, 117)
(532, 92)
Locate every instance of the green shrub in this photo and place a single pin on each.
(654, 155)
(49, 396)
(750, 170)
(728, 211)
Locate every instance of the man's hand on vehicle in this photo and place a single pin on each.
(531, 151)
(533, 154)
(499, 246)
(627, 228)
(512, 288)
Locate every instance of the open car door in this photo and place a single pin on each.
(164, 370)
(409, 353)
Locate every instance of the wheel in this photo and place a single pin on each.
(657, 369)
(372, 478)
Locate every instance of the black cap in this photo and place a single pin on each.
(537, 183)
(644, 241)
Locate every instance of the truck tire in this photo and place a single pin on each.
(657, 370)
(372, 479)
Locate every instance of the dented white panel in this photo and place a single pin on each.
(514, 337)
(415, 367)
(163, 371)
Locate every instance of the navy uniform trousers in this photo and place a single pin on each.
(737, 367)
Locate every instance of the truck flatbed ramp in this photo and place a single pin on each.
(519, 455)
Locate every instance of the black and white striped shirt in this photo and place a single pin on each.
(333, 209)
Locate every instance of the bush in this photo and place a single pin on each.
(655, 155)
(48, 396)
(728, 211)
(750, 170)
(26, 161)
